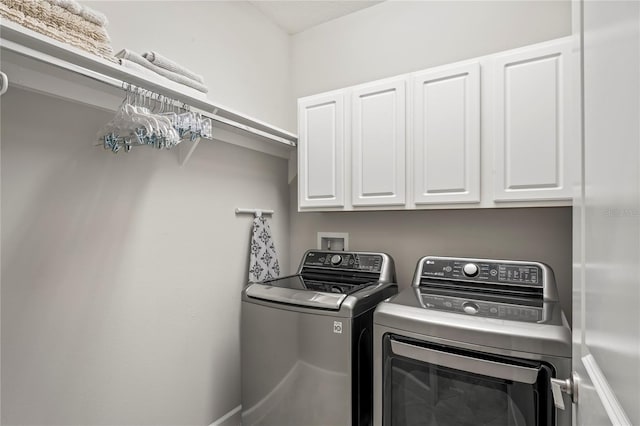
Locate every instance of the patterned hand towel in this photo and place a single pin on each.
(263, 261)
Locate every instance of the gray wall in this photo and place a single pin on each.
(121, 274)
(402, 36)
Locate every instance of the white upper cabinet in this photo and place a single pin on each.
(534, 103)
(321, 151)
(378, 143)
(446, 135)
(495, 131)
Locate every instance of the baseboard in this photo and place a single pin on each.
(232, 418)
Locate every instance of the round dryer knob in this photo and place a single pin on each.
(470, 269)
(470, 308)
(336, 259)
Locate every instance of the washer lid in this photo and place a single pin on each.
(324, 292)
(293, 296)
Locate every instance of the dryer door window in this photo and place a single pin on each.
(433, 385)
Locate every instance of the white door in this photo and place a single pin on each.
(378, 140)
(446, 135)
(321, 151)
(534, 96)
(606, 314)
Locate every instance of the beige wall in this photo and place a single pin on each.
(395, 37)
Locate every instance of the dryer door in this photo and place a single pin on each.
(429, 384)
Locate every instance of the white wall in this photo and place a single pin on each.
(243, 57)
(396, 37)
(121, 274)
(607, 218)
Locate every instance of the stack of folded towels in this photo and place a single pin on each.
(164, 71)
(64, 20)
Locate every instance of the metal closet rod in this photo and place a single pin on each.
(256, 212)
(121, 84)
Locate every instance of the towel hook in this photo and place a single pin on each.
(4, 83)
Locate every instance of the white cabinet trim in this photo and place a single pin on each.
(443, 172)
(330, 142)
(519, 175)
(372, 137)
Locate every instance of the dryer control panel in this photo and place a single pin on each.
(519, 273)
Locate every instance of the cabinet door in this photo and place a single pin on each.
(446, 137)
(378, 143)
(532, 122)
(321, 151)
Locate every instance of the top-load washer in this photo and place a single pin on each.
(472, 342)
(307, 348)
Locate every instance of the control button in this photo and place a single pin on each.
(336, 259)
(470, 269)
(448, 304)
(493, 310)
(470, 308)
(493, 272)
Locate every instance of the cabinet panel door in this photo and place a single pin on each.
(446, 138)
(533, 97)
(321, 151)
(378, 138)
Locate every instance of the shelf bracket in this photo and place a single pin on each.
(185, 150)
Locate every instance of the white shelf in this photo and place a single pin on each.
(37, 62)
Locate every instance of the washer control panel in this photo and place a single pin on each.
(498, 272)
(482, 308)
(344, 260)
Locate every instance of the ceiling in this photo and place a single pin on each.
(296, 16)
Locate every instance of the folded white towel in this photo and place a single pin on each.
(168, 64)
(137, 58)
(94, 16)
(86, 12)
(163, 81)
(71, 5)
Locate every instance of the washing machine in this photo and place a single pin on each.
(472, 342)
(307, 341)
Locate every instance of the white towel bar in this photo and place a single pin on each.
(256, 212)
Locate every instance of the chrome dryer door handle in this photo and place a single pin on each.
(465, 363)
(568, 386)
